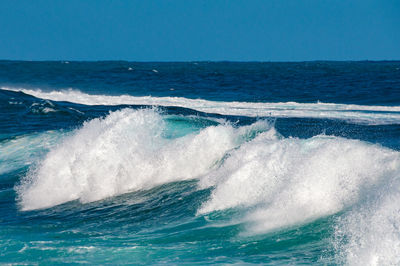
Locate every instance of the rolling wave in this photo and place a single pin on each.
(363, 114)
(274, 182)
(126, 151)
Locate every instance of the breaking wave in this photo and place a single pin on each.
(375, 115)
(126, 151)
(274, 182)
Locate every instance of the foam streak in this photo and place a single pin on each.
(349, 112)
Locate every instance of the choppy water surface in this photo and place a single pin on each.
(183, 163)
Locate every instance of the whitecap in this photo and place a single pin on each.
(363, 114)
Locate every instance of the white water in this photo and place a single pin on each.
(121, 153)
(281, 182)
(290, 181)
(370, 233)
(349, 112)
(276, 182)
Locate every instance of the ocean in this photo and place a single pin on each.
(196, 163)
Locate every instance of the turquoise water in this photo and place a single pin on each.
(200, 163)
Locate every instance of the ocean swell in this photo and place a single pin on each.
(361, 114)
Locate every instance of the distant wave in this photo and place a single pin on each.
(363, 114)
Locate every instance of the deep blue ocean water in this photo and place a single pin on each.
(200, 163)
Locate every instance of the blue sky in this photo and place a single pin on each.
(183, 30)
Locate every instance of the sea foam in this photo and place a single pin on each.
(291, 181)
(282, 182)
(124, 152)
(274, 182)
(363, 114)
(369, 234)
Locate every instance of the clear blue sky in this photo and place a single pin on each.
(186, 30)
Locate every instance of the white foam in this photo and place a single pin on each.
(292, 181)
(370, 233)
(43, 108)
(349, 112)
(123, 152)
(279, 183)
(276, 182)
(15, 102)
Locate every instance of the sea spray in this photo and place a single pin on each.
(124, 152)
(255, 194)
(369, 234)
(291, 181)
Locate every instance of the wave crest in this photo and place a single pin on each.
(361, 114)
(291, 181)
(275, 182)
(124, 152)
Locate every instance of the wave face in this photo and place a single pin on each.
(200, 163)
(373, 115)
(274, 182)
(24, 150)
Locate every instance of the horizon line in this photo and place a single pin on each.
(200, 61)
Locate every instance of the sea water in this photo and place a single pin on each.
(200, 163)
